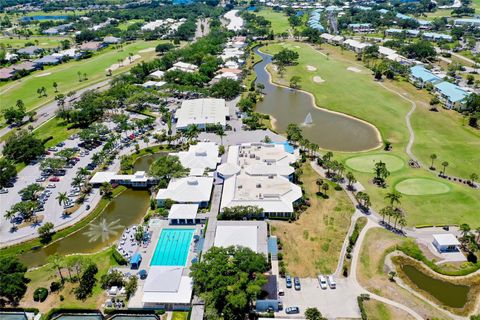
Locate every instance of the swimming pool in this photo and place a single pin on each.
(172, 247)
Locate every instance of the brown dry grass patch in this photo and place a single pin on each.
(312, 244)
(381, 311)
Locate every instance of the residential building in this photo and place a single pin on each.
(153, 84)
(202, 112)
(111, 40)
(47, 60)
(7, 74)
(451, 95)
(437, 36)
(446, 242)
(194, 190)
(91, 46)
(361, 27)
(157, 74)
(29, 51)
(259, 174)
(472, 22)
(183, 66)
(137, 180)
(355, 45)
(421, 76)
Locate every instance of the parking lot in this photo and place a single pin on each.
(332, 303)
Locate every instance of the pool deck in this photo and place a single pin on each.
(147, 254)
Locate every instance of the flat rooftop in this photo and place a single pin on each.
(167, 285)
(249, 234)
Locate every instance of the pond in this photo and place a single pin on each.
(449, 294)
(126, 209)
(144, 163)
(41, 18)
(330, 130)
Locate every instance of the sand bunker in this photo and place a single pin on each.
(146, 50)
(43, 74)
(127, 61)
(318, 79)
(311, 68)
(353, 69)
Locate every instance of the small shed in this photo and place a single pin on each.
(135, 261)
(446, 242)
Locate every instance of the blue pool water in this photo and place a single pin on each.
(172, 247)
(40, 18)
(288, 147)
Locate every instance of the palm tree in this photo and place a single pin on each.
(383, 212)
(433, 156)
(397, 214)
(393, 197)
(82, 171)
(444, 165)
(76, 181)
(325, 188)
(55, 86)
(9, 215)
(478, 234)
(351, 179)
(473, 177)
(62, 198)
(192, 132)
(57, 262)
(402, 223)
(465, 229)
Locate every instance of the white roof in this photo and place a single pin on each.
(356, 44)
(183, 211)
(245, 236)
(187, 190)
(203, 155)
(167, 285)
(157, 74)
(446, 239)
(151, 83)
(183, 66)
(258, 175)
(101, 177)
(202, 112)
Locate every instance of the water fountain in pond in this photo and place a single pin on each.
(308, 120)
(103, 230)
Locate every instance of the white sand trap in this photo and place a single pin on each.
(311, 68)
(146, 50)
(127, 61)
(318, 79)
(43, 74)
(353, 69)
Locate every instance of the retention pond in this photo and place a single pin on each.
(330, 130)
(449, 294)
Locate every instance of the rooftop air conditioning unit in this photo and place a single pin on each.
(259, 185)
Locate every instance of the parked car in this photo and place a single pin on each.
(54, 179)
(292, 310)
(323, 281)
(331, 282)
(41, 179)
(296, 282)
(68, 205)
(3, 191)
(288, 281)
(281, 292)
(51, 186)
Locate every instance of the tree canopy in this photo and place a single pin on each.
(226, 89)
(22, 146)
(12, 278)
(285, 57)
(7, 172)
(229, 279)
(167, 167)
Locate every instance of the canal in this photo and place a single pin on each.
(330, 130)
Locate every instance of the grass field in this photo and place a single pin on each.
(421, 186)
(312, 244)
(279, 20)
(179, 315)
(380, 311)
(41, 41)
(366, 163)
(441, 132)
(43, 276)
(371, 275)
(66, 75)
(55, 128)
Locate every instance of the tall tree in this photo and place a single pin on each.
(12, 278)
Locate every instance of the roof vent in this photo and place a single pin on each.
(259, 185)
(192, 182)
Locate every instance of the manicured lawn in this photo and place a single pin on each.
(279, 20)
(66, 75)
(312, 244)
(367, 163)
(41, 41)
(125, 25)
(443, 133)
(178, 315)
(55, 128)
(421, 186)
(43, 276)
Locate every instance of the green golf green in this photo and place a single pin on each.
(367, 163)
(421, 186)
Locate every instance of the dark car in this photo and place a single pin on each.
(292, 310)
(296, 282)
(288, 281)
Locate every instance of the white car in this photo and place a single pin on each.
(68, 205)
(51, 186)
(331, 282)
(3, 191)
(323, 282)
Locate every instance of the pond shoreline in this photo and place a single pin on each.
(314, 104)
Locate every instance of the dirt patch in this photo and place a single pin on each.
(311, 68)
(312, 244)
(373, 275)
(126, 62)
(37, 220)
(354, 69)
(147, 50)
(318, 79)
